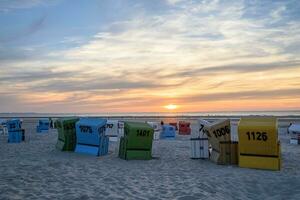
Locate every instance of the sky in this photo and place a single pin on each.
(141, 55)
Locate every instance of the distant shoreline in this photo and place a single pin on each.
(234, 115)
(152, 117)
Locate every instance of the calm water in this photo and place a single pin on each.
(156, 114)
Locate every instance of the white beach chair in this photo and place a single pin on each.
(112, 130)
(294, 131)
(199, 142)
(157, 129)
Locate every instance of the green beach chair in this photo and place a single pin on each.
(66, 140)
(137, 141)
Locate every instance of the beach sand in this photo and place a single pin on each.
(34, 169)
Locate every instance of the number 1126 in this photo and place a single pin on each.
(257, 136)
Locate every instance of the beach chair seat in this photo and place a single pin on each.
(43, 126)
(14, 125)
(15, 136)
(168, 132)
(66, 140)
(112, 130)
(228, 153)
(136, 144)
(219, 137)
(15, 131)
(157, 129)
(199, 148)
(90, 136)
(259, 146)
(184, 128)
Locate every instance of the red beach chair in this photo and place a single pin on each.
(184, 128)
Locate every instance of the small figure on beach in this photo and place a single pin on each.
(288, 128)
(51, 122)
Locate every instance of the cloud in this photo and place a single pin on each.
(12, 54)
(245, 95)
(52, 79)
(11, 5)
(96, 85)
(237, 68)
(8, 99)
(32, 76)
(35, 26)
(204, 33)
(6, 5)
(155, 52)
(173, 2)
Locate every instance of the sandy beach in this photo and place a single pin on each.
(34, 169)
(150, 61)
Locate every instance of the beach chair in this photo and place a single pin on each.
(15, 132)
(168, 132)
(120, 129)
(15, 137)
(112, 130)
(294, 131)
(90, 136)
(14, 125)
(3, 129)
(224, 151)
(66, 140)
(259, 146)
(184, 128)
(56, 122)
(43, 126)
(199, 148)
(157, 129)
(199, 143)
(136, 144)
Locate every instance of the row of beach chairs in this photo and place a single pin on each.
(258, 145)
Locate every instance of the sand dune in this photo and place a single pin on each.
(36, 170)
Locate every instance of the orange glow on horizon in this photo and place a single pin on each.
(171, 107)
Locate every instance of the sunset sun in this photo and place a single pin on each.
(171, 107)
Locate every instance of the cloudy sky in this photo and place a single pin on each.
(140, 55)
